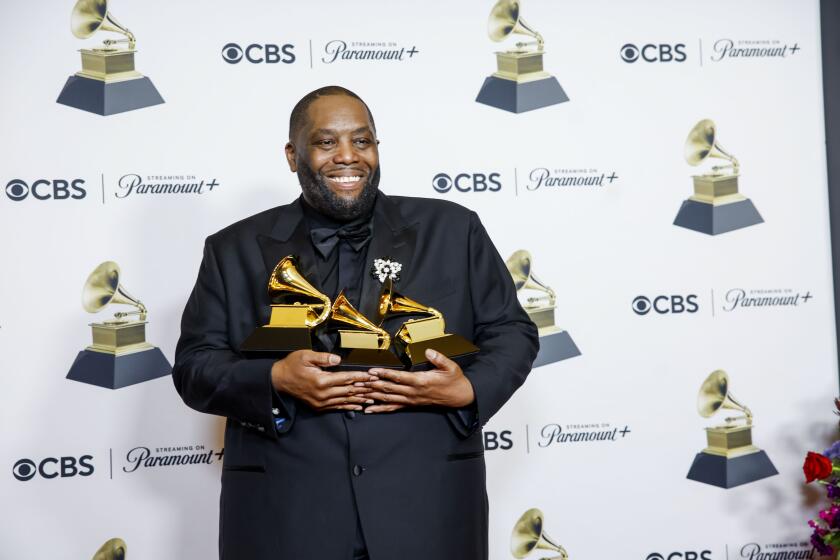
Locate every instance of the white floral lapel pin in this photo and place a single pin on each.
(386, 268)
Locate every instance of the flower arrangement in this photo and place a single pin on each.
(824, 468)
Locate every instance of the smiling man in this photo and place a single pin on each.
(379, 465)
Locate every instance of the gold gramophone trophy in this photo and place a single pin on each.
(528, 535)
(520, 84)
(364, 345)
(108, 82)
(539, 301)
(730, 458)
(416, 335)
(297, 308)
(716, 206)
(119, 355)
(113, 549)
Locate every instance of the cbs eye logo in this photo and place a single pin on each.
(467, 182)
(687, 555)
(52, 467)
(268, 53)
(662, 52)
(663, 305)
(18, 190)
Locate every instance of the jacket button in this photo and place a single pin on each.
(350, 414)
(357, 470)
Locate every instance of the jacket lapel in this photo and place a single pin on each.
(394, 238)
(290, 236)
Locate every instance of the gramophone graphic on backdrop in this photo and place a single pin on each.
(529, 535)
(519, 84)
(716, 206)
(539, 301)
(107, 83)
(300, 314)
(119, 355)
(730, 459)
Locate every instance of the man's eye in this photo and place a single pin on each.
(362, 141)
(326, 142)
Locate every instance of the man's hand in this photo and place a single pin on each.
(299, 374)
(444, 386)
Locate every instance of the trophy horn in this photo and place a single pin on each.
(519, 266)
(90, 16)
(113, 549)
(702, 143)
(103, 288)
(714, 394)
(505, 20)
(393, 303)
(287, 282)
(528, 535)
(343, 312)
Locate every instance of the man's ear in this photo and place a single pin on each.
(290, 157)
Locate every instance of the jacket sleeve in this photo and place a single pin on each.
(507, 339)
(211, 376)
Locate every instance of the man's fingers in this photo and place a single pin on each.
(396, 388)
(391, 398)
(354, 407)
(344, 391)
(320, 359)
(396, 376)
(339, 378)
(341, 401)
(441, 361)
(383, 408)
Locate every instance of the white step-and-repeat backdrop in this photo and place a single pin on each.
(602, 442)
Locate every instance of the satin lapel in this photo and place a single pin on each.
(393, 238)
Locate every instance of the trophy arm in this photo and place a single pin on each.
(727, 156)
(141, 311)
(384, 340)
(326, 307)
(438, 315)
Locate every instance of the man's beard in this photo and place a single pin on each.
(319, 196)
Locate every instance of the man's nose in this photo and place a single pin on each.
(346, 153)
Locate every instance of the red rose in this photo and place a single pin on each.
(816, 467)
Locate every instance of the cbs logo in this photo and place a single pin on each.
(664, 305)
(688, 555)
(466, 182)
(501, 440)
(257, 54)
(662, 52)
(46, 189)
(52, 467)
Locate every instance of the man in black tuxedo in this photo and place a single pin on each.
(329, 465)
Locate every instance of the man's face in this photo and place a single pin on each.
(336, 157)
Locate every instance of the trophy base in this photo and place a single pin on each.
(363, 359)
(555, 347)
(453, 346)
(114, 372)
(276, 342)
(715, 219)
(108, 98)
(730, 472)
(518, 97)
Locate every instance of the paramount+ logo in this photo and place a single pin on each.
(53, 467)
(687, 555)
(467, 182)
(653, 52)
(665, 304)
(256, 53)
(19, 190)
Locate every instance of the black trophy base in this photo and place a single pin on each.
(555, 347)
(363, 359)
(728, 473)
(96, 96)
(509, 95)
(453, 346)
(712, 220)
(115, 372)
(276, 342)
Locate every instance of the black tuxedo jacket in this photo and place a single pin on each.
(416, 476)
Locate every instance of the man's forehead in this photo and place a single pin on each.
(337, 112)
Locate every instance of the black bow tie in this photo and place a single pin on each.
(325, 239)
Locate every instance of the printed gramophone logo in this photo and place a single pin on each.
(716, 206)
(528, 538)
(540, 301)
(107, 83)
(726, 50)
(730, 459)
(113, 549)
(119, 355)
(519, 84)
(339, 50)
